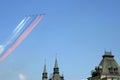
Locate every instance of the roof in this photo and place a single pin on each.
(45, 70)
(108, 64)
(56, 64)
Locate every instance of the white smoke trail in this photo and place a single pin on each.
(1, 49)
(22, 77)
(19, 25)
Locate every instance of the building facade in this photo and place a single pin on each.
(55, 75)
(108, 69)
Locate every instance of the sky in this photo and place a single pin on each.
(76, 32)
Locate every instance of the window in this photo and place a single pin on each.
(116, 70)
(110, 70)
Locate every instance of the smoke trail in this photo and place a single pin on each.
(1, 49)
(16, 35)
(22, 77)
(22, 36)
(19, 25)
(16, 31)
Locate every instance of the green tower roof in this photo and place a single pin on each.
(108, 64)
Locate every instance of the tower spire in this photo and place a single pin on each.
(45, 70)
(56, 68)
(56, 64)
(44, 74)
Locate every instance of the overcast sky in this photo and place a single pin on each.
(77, 32)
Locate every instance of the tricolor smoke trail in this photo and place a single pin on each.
(19, 34)
(17, 31)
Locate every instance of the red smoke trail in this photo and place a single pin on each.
(22, 37)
